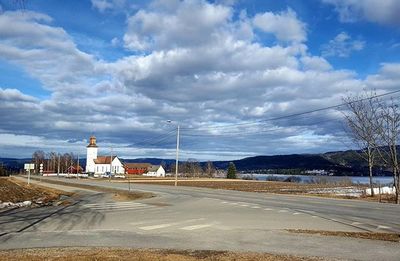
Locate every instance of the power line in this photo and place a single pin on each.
(226, 133)
(290, 115)
(159, 141)
(146, 141)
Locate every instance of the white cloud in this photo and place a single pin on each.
(379, 11)
(115, 42)
(15, 95)
(107, 5)
(198, 63)
(191, 23)
(388, 77)
(285, 25)
(46, 52)
(315, 63)
(342, 45)
(102, 5)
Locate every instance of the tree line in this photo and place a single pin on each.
(374, 127)
(193, 168)
(53, 162)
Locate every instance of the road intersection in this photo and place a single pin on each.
(199, 218)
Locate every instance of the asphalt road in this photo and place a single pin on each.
(198, 218)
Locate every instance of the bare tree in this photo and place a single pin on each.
(363, 121)
(209, 169)
(390, 134)
(38, 157)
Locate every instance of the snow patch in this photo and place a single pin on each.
(384, 190)
(340, 191)
(26, 203)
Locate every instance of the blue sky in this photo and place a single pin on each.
(119, 69)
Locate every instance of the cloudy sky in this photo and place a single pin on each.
(223, 70)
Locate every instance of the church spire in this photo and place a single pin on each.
(92, 142)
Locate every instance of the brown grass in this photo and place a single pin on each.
(364, 235)
(244, 185)
(84, 254)
(13, 190)
(253, 186)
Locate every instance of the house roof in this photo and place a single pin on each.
(104, 159)
(154, 167)
(74, 167)
(137, 165)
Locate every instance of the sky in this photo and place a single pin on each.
(230, 73)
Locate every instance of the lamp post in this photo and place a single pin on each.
(177, 154)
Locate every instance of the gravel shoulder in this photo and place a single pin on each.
(392, 237)
(83, 254)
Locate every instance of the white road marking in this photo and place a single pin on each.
(255, 207)
(268, 209)
(314, 216)
(112, 204)
(156, 226)
(244, 205)
(121, 206)
(224, 202)
(282, 211)
(296, 213)
(383, 227)
(194, 227)
(211, 198)
(165, 225)
(137, 223)
(356, 223)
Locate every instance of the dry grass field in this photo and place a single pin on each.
(12, 190)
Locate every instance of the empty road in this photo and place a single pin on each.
(199, 218)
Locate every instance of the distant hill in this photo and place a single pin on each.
(153, 161)
(294, 161)
(13, 164)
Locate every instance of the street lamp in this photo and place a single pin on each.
(177, 154)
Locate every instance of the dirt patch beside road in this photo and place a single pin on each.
(81, 254)
(364, 235)
(12, 190)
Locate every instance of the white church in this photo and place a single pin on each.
(101, 164)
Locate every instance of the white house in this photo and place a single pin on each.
(155, 171)
(101, 164)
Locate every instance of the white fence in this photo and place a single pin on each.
(65, 175)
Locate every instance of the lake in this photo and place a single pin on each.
(328, 179)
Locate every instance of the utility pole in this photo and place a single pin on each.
(77, 168)
(110, 165)
(58, 165)
(177, 154)
(177, 157)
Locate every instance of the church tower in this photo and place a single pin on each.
(91, 154)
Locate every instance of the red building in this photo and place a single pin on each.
(136, 168)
